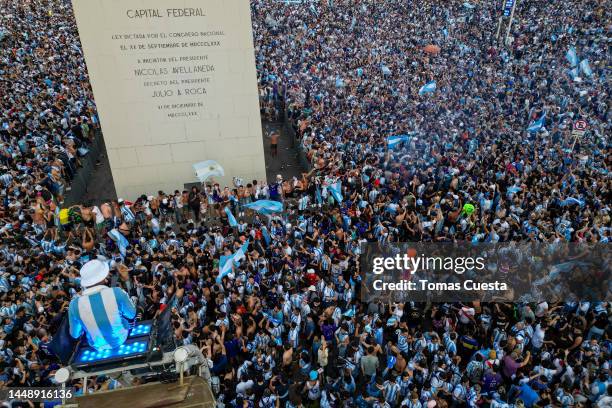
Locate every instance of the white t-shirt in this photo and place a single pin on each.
(464, 314)
(538, 337)
(244, 386)
(99, 217)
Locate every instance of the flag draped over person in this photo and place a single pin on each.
(120, 240)
(227, 261)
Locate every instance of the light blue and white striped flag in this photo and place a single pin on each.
(120, 240)
(395, 140)
(586, 68)
(226, 261)
(336, 191)
(230, 217)
(265, 206)
(574, 72)
(538, 124)
(339, 82)
(512, 190)
(318, 196)
(385, 69)
(571, 56)
(427, 88)
(207, 169)
(572, 201)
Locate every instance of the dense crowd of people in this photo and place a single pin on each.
(47, 113)
(287, 326)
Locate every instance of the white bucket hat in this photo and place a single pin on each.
(94, 271)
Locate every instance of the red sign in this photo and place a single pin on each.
(580, 125)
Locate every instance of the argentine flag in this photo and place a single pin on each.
(427, 88)
(207, 169)
(395, 140)
(385, 70)
(538, 124)
(120, 240)
(586, 68)
(336, 191)
(573, 73)
(512, 190)
(230, 217)
(265, 206)
(572, 201)
(226, 261)
(571, 56)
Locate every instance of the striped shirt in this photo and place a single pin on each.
(498, 336)
(402, 342)
(47, 246)
(412, 403)
(325, 262)
(103, 314)
(404, 385)
(426, 395)
(328, 294)
(450, 345)
(6, 179)
(128, 214)
(472, 398)
(459, 393)
(4, 284)
(391, 391)
(475, 370)
(294, 336)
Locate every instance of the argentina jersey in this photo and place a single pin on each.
(103, 314)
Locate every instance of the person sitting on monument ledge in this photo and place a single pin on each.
(103, 313)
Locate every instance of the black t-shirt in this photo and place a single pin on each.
(258, 389)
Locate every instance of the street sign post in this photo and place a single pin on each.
(580, 126)
(510, 5)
